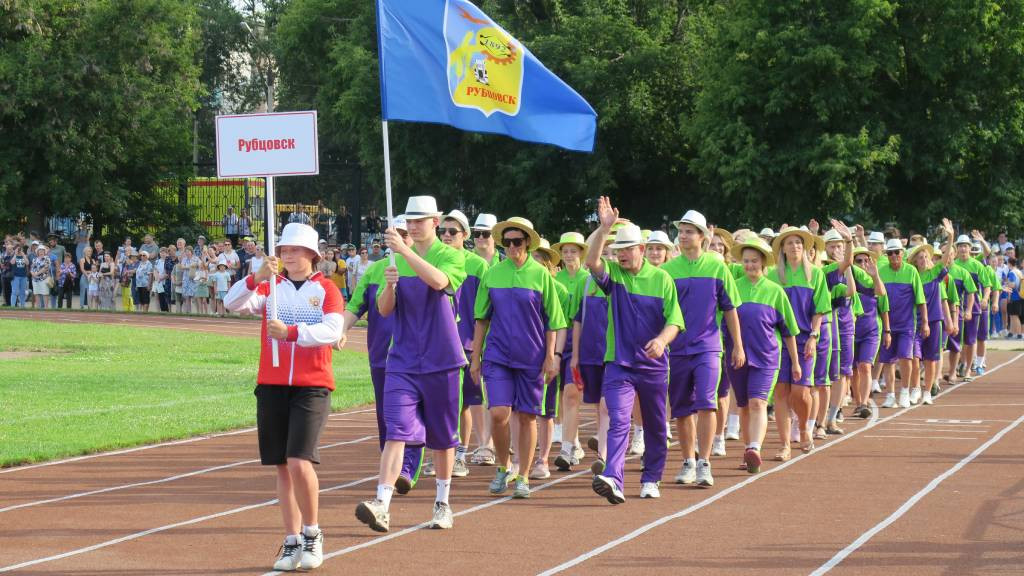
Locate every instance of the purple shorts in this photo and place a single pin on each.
(806, 365)
(413, 457)
(865, 348)
(423, 408)
(901, 348)
(565, 374)
(726, 383)
(693, 383)
(970, 330)
(929, 348)
(472, 392)
(823, 359)
(749, 382)
(983, 326)
(846, 349)
(553, 399)
(592, 376)
(522, 389)
(954, 343)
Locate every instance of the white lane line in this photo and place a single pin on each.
(166, 527)
(900, 428)
(163, 480)
(930, 424)
(863, 538)
(146, 447)
(927, 437)
(735, 487)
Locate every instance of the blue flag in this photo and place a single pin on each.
(445, 61)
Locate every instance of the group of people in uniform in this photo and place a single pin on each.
(706, 338)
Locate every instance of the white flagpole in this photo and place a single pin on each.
(387, 180)
(272, 301)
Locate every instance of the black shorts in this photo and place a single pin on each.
(1015, 308)
(289, 421)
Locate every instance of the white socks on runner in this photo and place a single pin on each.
(754, 446)
(384, 492)
(443, 488)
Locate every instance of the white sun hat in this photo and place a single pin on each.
(660, 238)
(628, 235)
(298, 234)
(693, 218)
(421, 207)
(894, 245)
(459, 217)
(832, 235)
(767, 233)
(963, 239)
(876, 238)
(485, 221)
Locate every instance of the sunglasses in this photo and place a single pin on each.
(482, 234)
(862, 260)
(517, 242)
(448, 231)
(894, 252)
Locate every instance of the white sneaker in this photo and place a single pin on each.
(540, 470)
(904, 398)
(875, 387)
(459, 469)
(718, 446)
(312, 551)
(557, 435)
(926, 397)
(890, 401)
(374, 514)
(704, 477)
(915, 395)
(289, 557)
(578, 453)
(636, 447)
(650, 490)
(428, 469)
(443, 518)
(605, 486)
(732, 433)
(688, 473)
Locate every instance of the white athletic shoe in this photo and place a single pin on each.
(374, 514)
(558, 435)
(875, 387)
(704, 477)
(428, 469)
(718, 446)
(904, 398)
(443, 518)
(732, 433)
(540, 470)
(688, 473)
(459, 469)
(926, 397)
(578, 453)
(890, 401)
(605, 486)
(650, 490)
(915, 395)
(848, 401)
(312, 551)
(636, 447)
(289, 557)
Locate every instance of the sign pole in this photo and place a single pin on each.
(271, 227)
(387, 180)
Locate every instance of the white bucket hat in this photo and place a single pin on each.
(963, 239)
(485, 221)
(421, 207)
(894, 245)
(876, 238)
(628, 235)
(660, 238)
(694, 218)
(297, 234)
(459, 217)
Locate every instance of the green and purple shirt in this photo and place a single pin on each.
(378, 328)
(765, 317)
(905, 292)
(704, 287)
(808, 297)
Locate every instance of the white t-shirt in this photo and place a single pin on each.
(229, 258)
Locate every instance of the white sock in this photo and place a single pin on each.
(311, 530)
(835, 412)
(691, 461)
(720, 437)
(384, 492)
(754, 446)
(981, 360)
(638, 431)
(733, 423)
(292, 539)
(810, 423)
(443, 487)
(460, 453)
(703, 462)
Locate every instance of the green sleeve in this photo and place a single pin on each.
(883, 304)
(357, 303)
(918, 289)
(951, 294)
(856, 306)
(969, 286)
(822, 299)
(863, 278)
(670, 303)
(552, 304)
(482, 309)
(737, 270)
(729, 285)
(839, 291)
(453, 265)
(783, 305)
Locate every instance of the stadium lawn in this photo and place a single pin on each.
(91, 387)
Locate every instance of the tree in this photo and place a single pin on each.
(96, 100)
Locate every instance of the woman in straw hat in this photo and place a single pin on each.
(766, 318)
(572, 249)
(519, 311)
(550, 259)
(726, 428)
(871, 327)
(644, 318)
(805, 286)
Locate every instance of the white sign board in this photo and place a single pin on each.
(278, 144)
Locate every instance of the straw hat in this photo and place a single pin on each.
(693, 218)
(819, 243)
(659, 237)
(421, 207)
(917, 249)
(571, 239)
(754, 243)
(726, 237)
(788, 231)
(485, 221)
(520, 224)
(627, 236)
(545, 247)
(860, 250)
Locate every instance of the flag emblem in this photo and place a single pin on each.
(485, 63)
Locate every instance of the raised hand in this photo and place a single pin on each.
(947, 227)
(813, 226)
(606, 214)
(843, 230)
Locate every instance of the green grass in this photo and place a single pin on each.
(101, 387)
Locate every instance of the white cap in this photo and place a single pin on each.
(485, 221)
(963, 239)
(693, 218)
(297, 234)
(459, 217)
(876, 238)
(420, 207)
(659, 237)
(628, 235)
(893, 245)
(399, 223)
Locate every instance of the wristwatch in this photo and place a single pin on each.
(815, 335)
(559, 354)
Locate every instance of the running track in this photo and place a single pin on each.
(927, 490)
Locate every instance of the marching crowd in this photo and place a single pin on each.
(714, 334)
